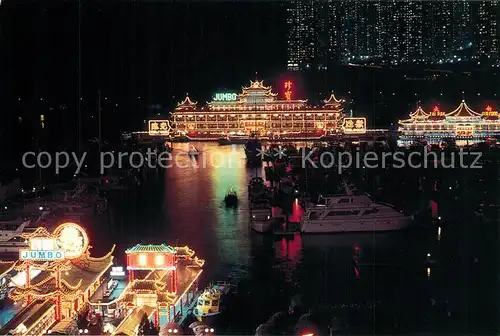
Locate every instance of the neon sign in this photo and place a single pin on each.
(41, 255)
(288, 90)
(69, 241)
(354, 126)
(225, 97)
(436, 112)
(159, 127)
(489, 112)
(42, 249)
(464, 131)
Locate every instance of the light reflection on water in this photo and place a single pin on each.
(194, 206)
(185, 207)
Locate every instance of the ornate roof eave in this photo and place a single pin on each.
(103, 258)
(187, 102)
(138, 248)
(458, 111)
(39, 232)
(333, 100)
(189, 252)
(419, 112)
(198, 262)
(67, 290)
(256, 85)
(72, 287)
(409, 121)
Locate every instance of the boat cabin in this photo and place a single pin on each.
(208, 303)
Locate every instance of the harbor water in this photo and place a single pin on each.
(404, 282)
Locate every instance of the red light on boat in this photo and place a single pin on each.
(488, 108)
(436, 108)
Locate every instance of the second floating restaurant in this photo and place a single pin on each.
(463, 125)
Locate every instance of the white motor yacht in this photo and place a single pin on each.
(352, 213)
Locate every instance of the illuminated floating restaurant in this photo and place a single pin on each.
(162, 283)
(463, 125)
(56, 277)
(256, 110)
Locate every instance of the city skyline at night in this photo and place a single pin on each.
(391, 32)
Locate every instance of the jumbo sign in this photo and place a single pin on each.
(225, 97)
(41, 255)
(69, 241)
(42, 249)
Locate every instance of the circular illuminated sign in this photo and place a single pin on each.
(72, 239)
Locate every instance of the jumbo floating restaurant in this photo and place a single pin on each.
(257, 110)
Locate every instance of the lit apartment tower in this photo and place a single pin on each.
(302, 33)
(486, 37)
(398, 31)
(357, 22)
(392, 32)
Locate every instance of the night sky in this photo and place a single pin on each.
(144, 56)
(155, 50)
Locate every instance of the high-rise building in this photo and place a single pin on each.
(391, 32)
(486, 36)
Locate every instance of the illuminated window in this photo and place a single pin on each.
(143, 259)
(160, 260)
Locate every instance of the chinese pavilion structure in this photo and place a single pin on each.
(256, 110)
(463, 125)
(55, 290)
(163, 281)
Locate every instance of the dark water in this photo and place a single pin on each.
(390, 292)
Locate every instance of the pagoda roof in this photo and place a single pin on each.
(186, 104)
(76, 276)
(184, 251)
(419, 113)
(257, 85)
(152, 248)
(332, 100)
(148, 285)
(463, 110)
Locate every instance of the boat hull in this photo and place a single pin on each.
(378, 224)
(262, 226)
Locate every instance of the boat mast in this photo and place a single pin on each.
(99, 116)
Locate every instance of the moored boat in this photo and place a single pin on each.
(231, 198)
(352, 213)
(209, 302)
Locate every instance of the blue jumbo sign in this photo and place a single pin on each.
(40, 255)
